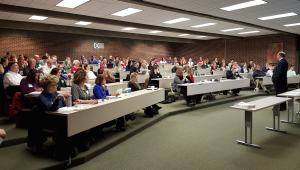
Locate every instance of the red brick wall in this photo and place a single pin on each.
(74, 48)
(250, 48)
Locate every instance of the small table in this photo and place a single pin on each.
(259, 105)
(291, 95)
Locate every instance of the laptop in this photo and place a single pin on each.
(143, 73)
(110, 65)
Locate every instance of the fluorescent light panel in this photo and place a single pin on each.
(278, 16)
(291, 25)
(250, 32)
(153, 32)
(126, 12)
(181, 35)
(83, 23)
(38, 17)
(233, 29)
(244, 5)
(128, 28)
(176, 20)
(200, 36)
(203, 25)
(71, 3)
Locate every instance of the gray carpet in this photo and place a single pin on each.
(205, 139)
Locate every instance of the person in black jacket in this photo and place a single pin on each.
(134, 87)
(279, 77)
(204, 65)
(233, 74)
(134, 68)
(174, 69)
(154, 73)
(259, 73)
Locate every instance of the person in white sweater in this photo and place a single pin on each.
(91, 74)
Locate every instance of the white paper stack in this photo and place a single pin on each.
(244, 105)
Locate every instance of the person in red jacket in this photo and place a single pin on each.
(75, 66)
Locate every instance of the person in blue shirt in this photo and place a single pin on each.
(93, 60)
(63, 71)
(3, 67)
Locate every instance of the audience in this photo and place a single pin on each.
(214, 67)
(61, 85)
(231, 63)
(175, 61)
(26, 59)
(242, 65)
(259, 73)
(31, 65)
(185, 67)
(21, 62)
(134, 87)
(37, 61)
(217, 62)
(12, 78)
(3, 67)
(266, 67)
(91, 74)
(204, 65)
(245, 69)
(253, 68)
(144, 68)
(115, 60)
(270, 71)
(100, 59)
(207, 61)
(48, 56)
(54, 59)
(224, 67)
(191, 63)
(13, 58)
(174, 69)
(75, 66)
(180, 79)
(82, 60)
(200, 61)
(183, 62)
(135, 68)
(129, 65)
(43, 61)
(154, 74)
(30, 84)
(110, 60)
(103, 66)
(250, 64)
(93, 60)
(291, 71)
(190, 77)
(47, 68)
(109, 78)
(223, 61)
(63, 71)
(80, 92)
(233, 74)
(68, 63)
(170, 60)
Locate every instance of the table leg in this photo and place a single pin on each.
(248, 124)
(276, 112)
(290, 107)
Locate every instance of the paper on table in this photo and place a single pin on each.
(1, 139)
(35, 93)
(65, 109)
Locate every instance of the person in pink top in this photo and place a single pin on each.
(200, 61)
(103, 66)
(83, 60)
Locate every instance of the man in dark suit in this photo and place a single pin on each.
(279, 77)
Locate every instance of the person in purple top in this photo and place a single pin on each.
(266, 67)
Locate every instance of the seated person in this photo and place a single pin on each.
(134, 87)
(63, 71)
(204, 65)
(3, 67)
(174, 69)
(31, 65)
(224, 67)
(259, 73)
(12, 77)
(154, 73)
(91, 74)
(179, 79)
(214, 67)
(117, 67)
(75, 66)
(129, 64)
(61, 85)
(80, 92)
(109, 78)
(233, 74)
(175, 61)
(270, 71)
(135, 68)
(30, 84)
(186, 67)
(43, 61)
(93, 60)
(21, 62)
(144, 68)
(82, 60)
(103, 66)
(68, 63)
(190, 77)
(291, 71)
(245, 68)
(266, 67)
(47, 68)
(2, 133)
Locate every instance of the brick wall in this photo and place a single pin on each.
(75, 48)
(254, 48)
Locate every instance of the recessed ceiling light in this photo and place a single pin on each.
(71, 3)
(176, 20)
(200, 36)
(203, 25)
(233, 29)
(126, 12)
(181, 35)
(250, 32)
(83, 23)
(38, 17)
(291, 25)
(244, 5)
(278, 16)
(128, 28)
(155, 32)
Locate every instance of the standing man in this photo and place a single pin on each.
(279, 77)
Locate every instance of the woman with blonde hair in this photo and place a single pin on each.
(109, 78)
(180, 79)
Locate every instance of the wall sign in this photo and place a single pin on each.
(99, 45)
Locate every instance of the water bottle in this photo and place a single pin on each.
(104, 66)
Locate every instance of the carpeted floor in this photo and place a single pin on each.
(206, 139)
